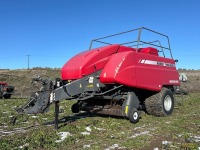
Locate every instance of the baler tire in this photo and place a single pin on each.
(134, 116)
(160, 104)
(7, 96)
(1, 95)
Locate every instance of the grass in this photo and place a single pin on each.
(97, 132)
(178, 131)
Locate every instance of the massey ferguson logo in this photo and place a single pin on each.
(158, 63)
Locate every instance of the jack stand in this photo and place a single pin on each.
(56, 114)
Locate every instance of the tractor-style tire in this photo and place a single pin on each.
(134, 116)
(160, 104)
(7, 96)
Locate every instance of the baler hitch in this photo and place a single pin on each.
(39, 100)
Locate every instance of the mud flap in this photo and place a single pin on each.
(39, 103)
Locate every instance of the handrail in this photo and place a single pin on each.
(139, 41)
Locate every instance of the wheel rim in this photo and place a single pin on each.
(135, 115)
(167, 103)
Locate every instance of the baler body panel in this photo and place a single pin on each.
(120, 69)
(90, 61)
(123, 65)
(153, 72)
(140, 70)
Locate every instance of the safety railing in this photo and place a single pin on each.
(138, 42)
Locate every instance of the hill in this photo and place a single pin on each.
(21, 79)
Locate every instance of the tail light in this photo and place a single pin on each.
(4, 89)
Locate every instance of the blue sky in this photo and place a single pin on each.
(51, 31)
